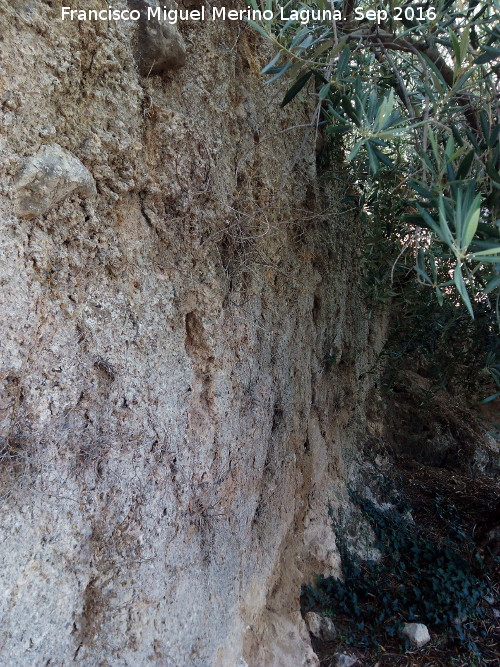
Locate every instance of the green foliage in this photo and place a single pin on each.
(443, 344)
(412, 93)
(415, 580)
(493, 369)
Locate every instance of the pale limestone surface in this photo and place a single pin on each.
(171, 435)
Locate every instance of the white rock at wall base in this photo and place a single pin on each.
(417, 633)
(344, 660)
(48, 177)
(320, 627)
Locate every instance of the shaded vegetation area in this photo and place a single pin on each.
(413, 93)
(411, 96)
(431, 570)
(440, 342)
(412, 106)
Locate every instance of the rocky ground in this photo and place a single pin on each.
(450, 500)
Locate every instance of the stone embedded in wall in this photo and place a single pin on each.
(160, 47)
(48, 177)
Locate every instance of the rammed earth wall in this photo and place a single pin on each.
(181, 338)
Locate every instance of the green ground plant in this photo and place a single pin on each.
(416, 579)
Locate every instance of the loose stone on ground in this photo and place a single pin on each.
(417, 633)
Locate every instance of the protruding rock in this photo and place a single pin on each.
(160, 47)
(417, 633)
(320, 627)
(49, 177)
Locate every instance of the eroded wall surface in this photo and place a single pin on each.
(181, 339)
